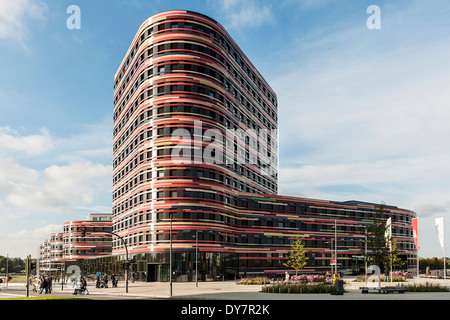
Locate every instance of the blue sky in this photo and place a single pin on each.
(363, 114)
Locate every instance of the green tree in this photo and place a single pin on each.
(14, 264)
(434, 263)
(396, 260)
(378, 251)
(297, 258)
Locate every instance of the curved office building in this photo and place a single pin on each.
(95, 243)
(195, 156)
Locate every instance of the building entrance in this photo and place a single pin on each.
(152, 272)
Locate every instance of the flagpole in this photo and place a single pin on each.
(443, 237)
(415, 233)
(335, 247)
(417, 264)
(388, 237)
(390, 252)
(440, 228)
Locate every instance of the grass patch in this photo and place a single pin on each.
(427, 287)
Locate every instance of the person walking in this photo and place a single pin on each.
(41, 285)
(50, 279)
(83, 283)
(113, 280)
(33, 285)
(45, 281)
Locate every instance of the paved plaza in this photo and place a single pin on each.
(228, 300)
(229, 290)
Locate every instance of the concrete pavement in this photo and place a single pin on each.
(229, 300)
(229, 290)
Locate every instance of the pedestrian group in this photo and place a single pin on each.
(45, 284)
(102, 281)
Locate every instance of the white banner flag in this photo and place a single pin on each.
(388, 233)
(439, 223)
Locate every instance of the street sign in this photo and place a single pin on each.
(333, 262)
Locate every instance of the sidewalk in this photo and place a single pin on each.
(229, 290)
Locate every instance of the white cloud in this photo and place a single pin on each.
(55, 193)
(351, 104)
(35, 198)
(11, 171)
(88, 199)
(81, 146)
(82, 176)
(306, 4)
(364, 115)
(35, 144)
(24, 242)
(61, 189)
(58, 194)
(411, 177)
(238, 14)
(58, 178)
(43, 145)
(433, 210)
(18, 16)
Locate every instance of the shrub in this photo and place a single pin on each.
(397, 276)
(403, 274)
(254, 280)
(309, 278)
(427, 287)
(300, 287)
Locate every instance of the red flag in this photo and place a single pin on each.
(415, 231)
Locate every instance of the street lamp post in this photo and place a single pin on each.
(335, 247)
(7, 270)
(331, 254)
(126, 271)
(28, 275)
(196, 258)
(365, 256)
(170, 255)
(63, 267)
